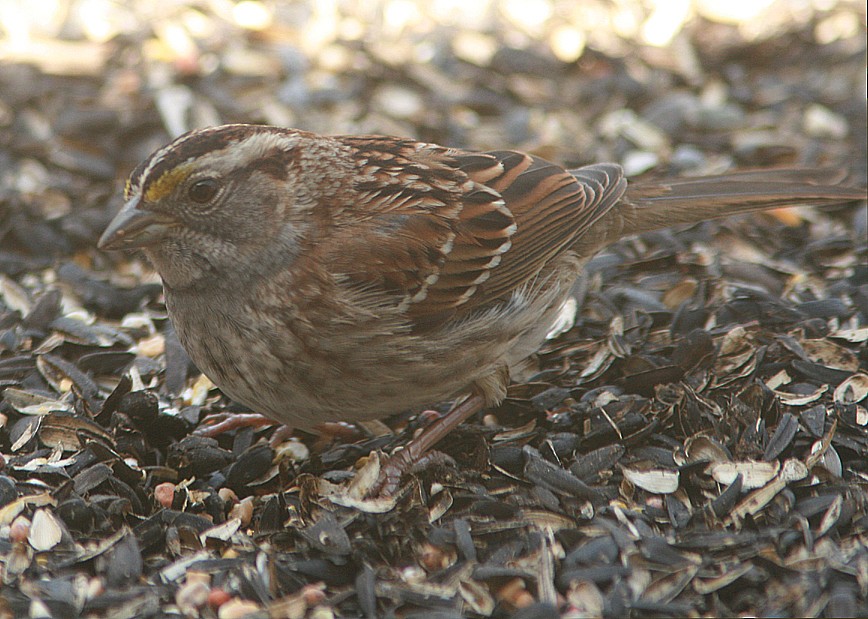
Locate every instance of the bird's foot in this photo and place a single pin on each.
(405, 460)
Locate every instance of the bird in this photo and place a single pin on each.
(321, 278)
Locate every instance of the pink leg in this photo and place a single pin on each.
(224, 422)
(404, 460)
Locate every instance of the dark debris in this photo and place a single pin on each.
(696, 445)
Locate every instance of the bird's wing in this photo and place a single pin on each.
(447, 231)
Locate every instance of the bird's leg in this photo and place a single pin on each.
(223, 422)
(490, 390)
(402, 461)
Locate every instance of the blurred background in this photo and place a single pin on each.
(690, 85)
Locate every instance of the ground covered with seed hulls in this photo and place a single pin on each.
(695, 445)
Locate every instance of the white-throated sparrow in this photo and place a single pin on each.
(322, 278)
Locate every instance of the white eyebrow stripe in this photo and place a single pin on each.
(240, 154)
(236, 154)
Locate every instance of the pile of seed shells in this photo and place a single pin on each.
(696, 444)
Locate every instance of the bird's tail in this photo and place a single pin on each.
(648, 206)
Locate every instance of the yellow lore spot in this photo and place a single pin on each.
(166, 184)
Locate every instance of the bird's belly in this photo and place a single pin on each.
(345, 375)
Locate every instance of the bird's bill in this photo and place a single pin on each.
(134, 227)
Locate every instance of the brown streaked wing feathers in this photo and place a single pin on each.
(423, 242)
(477, 246)
(391, 252)
(552, 208)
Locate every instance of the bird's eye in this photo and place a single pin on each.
(203, 191)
